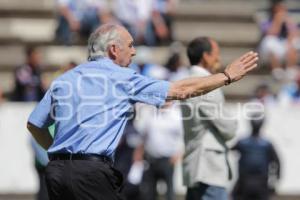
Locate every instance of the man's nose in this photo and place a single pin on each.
(133, 53)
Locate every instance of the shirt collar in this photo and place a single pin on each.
(104, 59)
(200, 69)
(96, 58)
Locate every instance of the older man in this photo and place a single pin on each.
(205, 165)
(90, 105)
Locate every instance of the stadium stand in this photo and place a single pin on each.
(233, 23)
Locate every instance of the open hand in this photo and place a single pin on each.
(241, 66)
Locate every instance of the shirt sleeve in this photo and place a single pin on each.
(147, 90)
(41, 115)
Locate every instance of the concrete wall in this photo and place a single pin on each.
(17, 173)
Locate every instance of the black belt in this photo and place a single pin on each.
(90, 157)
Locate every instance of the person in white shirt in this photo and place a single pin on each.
(207, 127)
(163, 147)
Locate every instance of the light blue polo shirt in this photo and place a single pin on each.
(90, 105)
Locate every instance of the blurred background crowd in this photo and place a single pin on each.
(41, 39)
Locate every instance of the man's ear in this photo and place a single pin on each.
(112, 51)
(205, 56)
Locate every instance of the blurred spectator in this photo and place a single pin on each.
(258, 159)
(162, 136)
(174, 63)
(278, 45)
(80, 18)
(124, 158)
(208, 126)
(263, 95)
(29, 87)
(143, 63)
(176, 69)
(149, 21)
(290, 94)
(135, 16)
(162, 147)
(162, 20)
(28, 83)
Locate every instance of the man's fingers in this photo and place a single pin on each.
(246, 55)
(251, 67)
(250, 58)
(251, 62)
(244, 64)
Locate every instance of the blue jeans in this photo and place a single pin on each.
(206, 192)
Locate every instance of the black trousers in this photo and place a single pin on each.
(42, 193)
(82, 180)
(251, 187)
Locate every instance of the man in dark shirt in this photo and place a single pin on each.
(257, 157)
(28, 83)
(29, 87)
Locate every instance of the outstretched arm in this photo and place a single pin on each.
(192, 87)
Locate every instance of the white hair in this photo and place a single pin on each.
(102, 38)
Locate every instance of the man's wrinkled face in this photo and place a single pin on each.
(212, 59)
(126, 49)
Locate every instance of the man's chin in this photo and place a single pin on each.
(216, 68)
(127, 65)
(124, 65)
